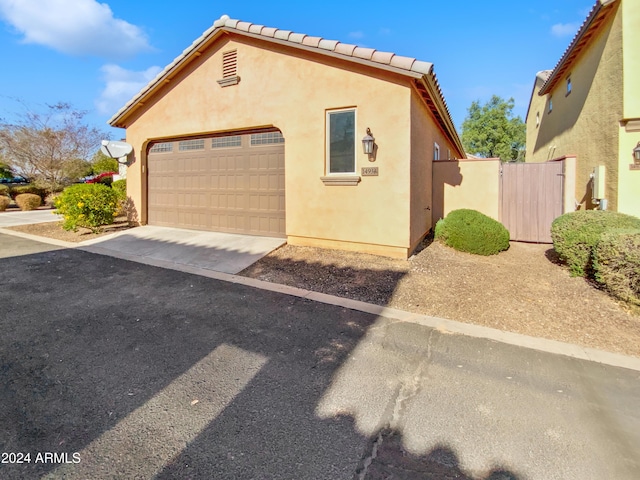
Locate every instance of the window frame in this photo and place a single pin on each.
(569, 86)
(550, 104)
(436, 152)
(328, 114)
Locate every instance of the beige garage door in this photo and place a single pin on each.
(233, 183)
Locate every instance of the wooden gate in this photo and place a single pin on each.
(531, 197)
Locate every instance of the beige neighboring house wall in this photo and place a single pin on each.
(593, 121)
(291, 88)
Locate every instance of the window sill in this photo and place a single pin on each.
(341, 180)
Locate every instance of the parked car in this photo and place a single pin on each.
(106, 177)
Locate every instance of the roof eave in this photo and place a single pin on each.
(567, 57)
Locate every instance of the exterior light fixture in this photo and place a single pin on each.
(636, 153)
(368, 141)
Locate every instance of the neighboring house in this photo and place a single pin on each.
(259, 130)
(588, 106)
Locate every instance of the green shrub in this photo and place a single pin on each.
(4, 203)
(120, 187)
(473, 232)
(30, 188)
(4, 191)
(616, 264)
(575, 235)
(28, 201)
(88, 205)
(51, 199)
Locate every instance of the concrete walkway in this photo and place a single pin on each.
(17, 217)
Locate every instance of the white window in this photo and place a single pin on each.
(436, 151)
(161, 147)
(228, 141)
(341, 141)
(550, 104)
(191, 145)
(268, 138)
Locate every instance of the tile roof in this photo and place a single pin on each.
(385, 60)
(595, 18)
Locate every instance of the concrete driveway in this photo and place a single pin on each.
(124, 370)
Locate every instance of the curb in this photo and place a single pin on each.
(441, 324)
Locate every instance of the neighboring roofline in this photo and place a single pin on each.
(387, 61)
(595, 18)
(541, 77)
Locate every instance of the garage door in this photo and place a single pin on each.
(232, 183)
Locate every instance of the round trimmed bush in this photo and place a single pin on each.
(473, 232)
(30, 188)
(4, 190)
(616, 264)
(28, 201)
(4, 202)
(575, 235)
(88, 205)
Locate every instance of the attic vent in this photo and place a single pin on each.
(229, 69)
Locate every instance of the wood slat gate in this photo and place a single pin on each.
(531, 197)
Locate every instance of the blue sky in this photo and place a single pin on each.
(98, 55)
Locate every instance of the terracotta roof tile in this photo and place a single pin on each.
(365, 53)
(244, 26)
(257, 29)
(382, 57)
(311, 41)
(328, 44)
(268, 31)
(297, 37)
(282, 34)
(344, 48)
(402, 62)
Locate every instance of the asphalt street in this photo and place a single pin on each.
(115, 369)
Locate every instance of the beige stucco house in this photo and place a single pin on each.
(259, 130)
(588, 106)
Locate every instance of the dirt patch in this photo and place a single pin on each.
(523, 290)
(55, 230)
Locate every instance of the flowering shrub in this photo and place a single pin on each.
(87, 205)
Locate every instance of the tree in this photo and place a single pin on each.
(491, 130)
(50, 149)
(101, 163)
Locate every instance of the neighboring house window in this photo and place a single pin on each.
(568, 85)
(228, 141)
(266, 138)
(537, 119)
(341, 141)
(161, 147)
(191, 145)
(550, 104)
(436, 151)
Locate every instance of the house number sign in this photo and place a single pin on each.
(369, 171)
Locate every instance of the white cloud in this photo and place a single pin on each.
(121, 86)
(356, 35)
(76, 27)
(564, 29)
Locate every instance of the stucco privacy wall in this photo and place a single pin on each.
(585, 123)
(425, 133)
(471, 184)
(279, 87)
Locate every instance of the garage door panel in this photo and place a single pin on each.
(236, 189)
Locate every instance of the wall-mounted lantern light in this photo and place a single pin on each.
(368, 141)
(636, 153)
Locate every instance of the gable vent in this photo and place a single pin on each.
(229, 69)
